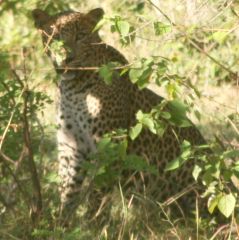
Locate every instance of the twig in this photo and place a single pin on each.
(234, 12)
(170, 21)
(6, 158)
(186, 190)
(169, 220)
(10, 120)
(221, 12)
(233, 125)
(219, 230)
(85, 68)
(21, 157)
(17, 78)
(192, 43)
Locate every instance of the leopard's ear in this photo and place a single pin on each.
(40, 17)
(96, 14)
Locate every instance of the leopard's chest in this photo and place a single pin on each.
(76, 111)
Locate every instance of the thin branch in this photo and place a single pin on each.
(6, 158)
(221, 12)
(234, 12)
(192, 43)
(165, 15)
(233, 125)
(20, 159)
(10, 120)
(17, 78)
(94, 68)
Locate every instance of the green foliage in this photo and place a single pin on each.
(147, 70)
(217, 175)
(125, 30)
(113, 160)
(108, 72)
(165, 114)
(56, 48)
(225, 203)
(58, 233)
(186, 153)
(178, 111)
(135, 131)
(161, 28)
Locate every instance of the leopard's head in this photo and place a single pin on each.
(63, 33)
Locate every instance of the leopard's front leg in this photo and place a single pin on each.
(73, 149)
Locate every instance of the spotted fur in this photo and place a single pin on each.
(88, 108)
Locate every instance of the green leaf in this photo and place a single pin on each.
(142, 72)
(135, 131)
(231, 154)
(106, 73)
(160, 127)
(122, 149)
(213, 202)
(88, 165)
(184, 156)
(53, 178)
(162, 67)
(165, 115)
(149, 123)
(103, 143)
(139, 115)
(236, 166)
(226, 204)
(146, 120)
(176, 163)
(178, 106)
(57, 49)
(161, 28)
(196, 171)
(134, 162)
(185, 149)
(178, 111)
(219, 36)
(134, 74)
(123, 27)
(141, 76)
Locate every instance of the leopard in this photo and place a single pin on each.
(88, 108)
